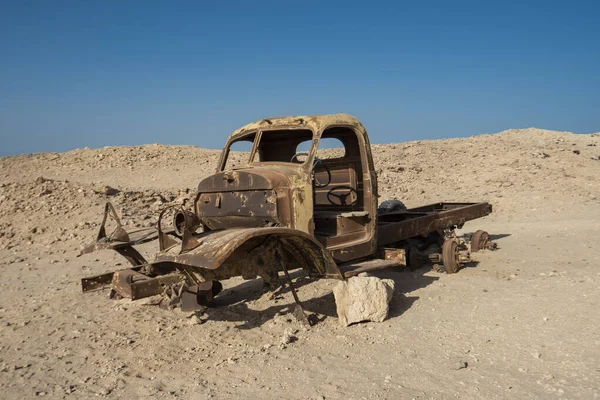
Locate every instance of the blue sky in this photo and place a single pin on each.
(96, 73)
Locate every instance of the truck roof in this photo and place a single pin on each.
(314, 122)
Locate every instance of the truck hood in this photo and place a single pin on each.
(255, 178)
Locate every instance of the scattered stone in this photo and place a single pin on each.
(266, 347)
(197, 319)
(460, 365)
(363, 298)
(106, 190)
(288, 336)
(40, 179)
(576, 152)
(45, 191)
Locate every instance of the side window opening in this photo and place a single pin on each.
(329, 148)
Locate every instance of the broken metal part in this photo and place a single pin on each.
(164, 241)
(184, 220)
(489, 245)
(435, 258)
(298, 311)
(119, 234)
(100, 281)
(479, 240)
(398, 255)
(207, 291)
(189, 224)
(135, 285)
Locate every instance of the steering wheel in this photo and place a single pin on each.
(341, 197)
(315, 163)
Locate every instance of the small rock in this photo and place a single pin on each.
(45, 191)
(40, 179)
(196, 319)
(461, 365)
(288, 337)
(106, 190)
(576, 152)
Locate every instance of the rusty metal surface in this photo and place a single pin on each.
(154, 286)
(227, 250)
(403, 225)
(352, 178)
(394, 254)
(280, 210)
(101, 281)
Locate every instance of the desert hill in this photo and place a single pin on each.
(522, 323)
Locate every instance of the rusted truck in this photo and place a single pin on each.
(292, 201)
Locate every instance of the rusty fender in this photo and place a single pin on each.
(251, 252)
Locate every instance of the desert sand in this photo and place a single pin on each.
(522, 323)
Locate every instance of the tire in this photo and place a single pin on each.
(389, 206)
(449, 256)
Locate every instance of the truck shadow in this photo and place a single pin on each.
(406, 282)
(233, 304)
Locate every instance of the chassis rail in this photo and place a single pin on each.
(401, 225)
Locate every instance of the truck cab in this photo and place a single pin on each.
(313, 174)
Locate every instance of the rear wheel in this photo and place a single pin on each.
(479, 240)
(450, 256)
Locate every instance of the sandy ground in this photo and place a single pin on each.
(522, 323)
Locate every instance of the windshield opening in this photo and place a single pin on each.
(281, 145)
(278, 146)
(238, 153)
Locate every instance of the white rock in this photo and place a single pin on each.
(363, 298)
